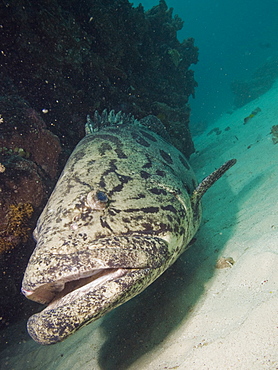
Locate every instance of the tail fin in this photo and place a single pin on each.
(208, 182)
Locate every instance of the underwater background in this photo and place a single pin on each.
(234, 39)
(63, 59)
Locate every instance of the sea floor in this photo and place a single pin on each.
(197, 316)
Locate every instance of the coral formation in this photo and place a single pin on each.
(68, 58)
(16, 227)
(29, 155)
(29, 161)
(23, 132)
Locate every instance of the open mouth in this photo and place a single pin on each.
(59, 279)
(67, 290)
(80, 287)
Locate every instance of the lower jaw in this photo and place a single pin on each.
(55, 323)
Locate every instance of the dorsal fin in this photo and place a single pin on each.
(109, 118)
(208, 182)
(106, 119)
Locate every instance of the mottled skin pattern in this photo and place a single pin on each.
(122, 205)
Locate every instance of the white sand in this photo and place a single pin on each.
(196, 316)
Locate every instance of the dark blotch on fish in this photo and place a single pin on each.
(104, 147)
(144, 209)
(190, 191)
(147, 165)
(113, 211)
(145, 175)
(158, 191)
(184, 162)
(140, 140)
(102, 184)
(120, 153)
(160, 173)
(166, 156)
(148, 136)
(115, 141)
(79, 155)
(169, 208)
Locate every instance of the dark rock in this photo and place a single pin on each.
(69, 58)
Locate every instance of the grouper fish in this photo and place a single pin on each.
(125, 207)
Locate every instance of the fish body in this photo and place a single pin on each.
(126, 206)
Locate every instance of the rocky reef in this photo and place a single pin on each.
(29, 155)
(68, 58)
(61, 60)
(260, 82)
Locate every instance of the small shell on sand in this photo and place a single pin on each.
(224, 262)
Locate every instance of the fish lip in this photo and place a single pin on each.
(69, 288)
(56, 322)
(47, 274)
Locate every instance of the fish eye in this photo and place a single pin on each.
(96, 200)
(101, 196)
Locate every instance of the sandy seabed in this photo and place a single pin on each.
(197, 316)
